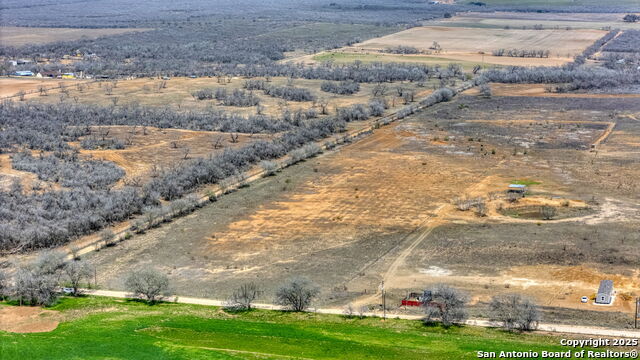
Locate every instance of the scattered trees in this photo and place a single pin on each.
(341, 88)
(631, 18)
(147, 283)
(513, 311)
(296, 294)
(401, 49)
(526, 53)
(448, 305)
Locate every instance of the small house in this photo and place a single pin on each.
(605, 292)
(517, 189)
(24, 73)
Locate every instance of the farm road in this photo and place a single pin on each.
(567, 329)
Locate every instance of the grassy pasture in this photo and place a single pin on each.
(105, 328)
(18, 36)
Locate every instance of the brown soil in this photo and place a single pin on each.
(17, 36)
(539, 90)
(25, 319)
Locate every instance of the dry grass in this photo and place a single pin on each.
(177, 94)
(18, 36)
(501, 20)
(466, 44)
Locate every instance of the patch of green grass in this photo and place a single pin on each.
(99, 328)
(527, 182)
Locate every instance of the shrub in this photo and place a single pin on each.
(513, 311)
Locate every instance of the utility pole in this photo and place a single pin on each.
(637, 315)
(384, 302)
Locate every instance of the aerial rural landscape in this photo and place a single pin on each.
(349, 179)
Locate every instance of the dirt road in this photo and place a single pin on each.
(566, 329)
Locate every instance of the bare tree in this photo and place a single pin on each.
(108, 89)
(297, 293)
(448, 305)
(513, 311)
(21, 94)
(217, 142)
(185, 152)
(106, 237)
(76, 272)
(42, 90)
(485, 90)
(234, 137)
(244, 296)
(324, 105)
(149, 284)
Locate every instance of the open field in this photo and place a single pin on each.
(516, 20)
(554, 3)
(97, 327)
(561, 43)
(343, 219)
(466, 45)
(18, 36)
(178, 93)
(10, 86)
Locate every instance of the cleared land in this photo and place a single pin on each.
(382, 209)
(100, 327)
(466, 45)
(18, 36)
(11, 86)
(561, 43)
(517, 20)
(177, 93)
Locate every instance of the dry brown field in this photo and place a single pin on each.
(382, 209)
(18, 36)
(467, 43)
(178, 93)
(10, 86)
(548, 21)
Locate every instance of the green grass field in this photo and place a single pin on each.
(97, 327)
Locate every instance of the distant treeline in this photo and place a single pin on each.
(533, 53)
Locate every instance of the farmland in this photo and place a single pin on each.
(464, 157)
(470, 45)
(314, 218)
